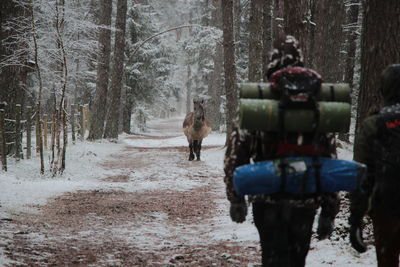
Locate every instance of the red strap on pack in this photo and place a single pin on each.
(309, 150)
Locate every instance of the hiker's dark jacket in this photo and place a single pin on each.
(244, 147)
(380, 191)
(363, 150)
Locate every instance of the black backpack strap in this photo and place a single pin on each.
(260, 92)
(332, 90)
(317, 166)
(283, 167)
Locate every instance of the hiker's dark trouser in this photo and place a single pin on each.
(387, 239)
(285, 233)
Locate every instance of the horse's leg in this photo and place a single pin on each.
(194, 148)
(191, 155)
(198, 149)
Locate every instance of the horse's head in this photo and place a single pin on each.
(198, 105)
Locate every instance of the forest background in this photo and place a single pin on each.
(127, 61)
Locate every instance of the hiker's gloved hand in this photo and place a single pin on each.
(238, 211)
(356, 238)
(325, 227)
(329, 208)
(358, 208)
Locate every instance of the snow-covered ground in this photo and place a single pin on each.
(22, 188)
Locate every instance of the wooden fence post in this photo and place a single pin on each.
(45, 130)
(82, 119)
(3, 141)
(73, 123)
(17, 136)
(28, 132)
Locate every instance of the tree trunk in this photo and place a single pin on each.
(237, 11)
(295, 22)
(229, 65)
(103, 62)
(189, 90)
(277, 20)
(351, 47)
(379, 48)
(255, 41)
(216, 77)
(266, 36)
(329, 37)
(352, 26)
(127, 111)
(311, 34)
(112, 123)
(13, 76)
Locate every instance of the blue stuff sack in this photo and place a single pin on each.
(265, 177)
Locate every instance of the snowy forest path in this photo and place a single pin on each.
(158, 209)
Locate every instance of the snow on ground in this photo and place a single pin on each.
(211, 140)
(22, 187)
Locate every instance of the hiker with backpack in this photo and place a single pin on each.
(284, 221)
(378, 147)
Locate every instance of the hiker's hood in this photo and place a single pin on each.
(390, 87)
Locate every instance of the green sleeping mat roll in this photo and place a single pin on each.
(263, 114)
(332, 92)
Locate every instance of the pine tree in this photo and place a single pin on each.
(329, 39)
(229, 65)
(379, 48)
(111, 130)
(255, 41)
(98, 112)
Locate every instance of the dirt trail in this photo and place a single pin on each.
(169, 218)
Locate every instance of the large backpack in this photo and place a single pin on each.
(387, 160)
(298, 87)
(297, 168)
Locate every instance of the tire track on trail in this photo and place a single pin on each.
(161, 210)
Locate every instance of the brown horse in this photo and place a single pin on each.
(196, 127)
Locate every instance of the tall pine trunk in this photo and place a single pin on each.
(351, 48)
(13, 77)
(229, 65)
(189, 90)
(296, 23)
(112, 123)
(98, 112)
(379, 48)
(329, 37)
(216, 78)
(255, 41)
(352, 26)
(278, 31)
(266, 35)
